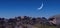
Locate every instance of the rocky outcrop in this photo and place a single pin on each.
(55, 19)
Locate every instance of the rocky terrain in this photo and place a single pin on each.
(26, 22)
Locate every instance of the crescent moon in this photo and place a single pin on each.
(40, 7)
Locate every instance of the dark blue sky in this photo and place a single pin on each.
(12, 8)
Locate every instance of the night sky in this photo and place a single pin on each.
(12, 8)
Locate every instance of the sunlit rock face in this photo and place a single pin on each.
(55, 19)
